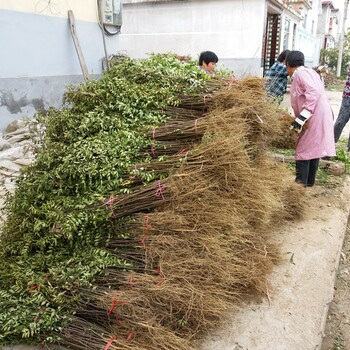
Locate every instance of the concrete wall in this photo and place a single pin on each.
(233, 29)
(38, 57)
(84, 10)
(323, 20)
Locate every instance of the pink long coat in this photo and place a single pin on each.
(307, 92)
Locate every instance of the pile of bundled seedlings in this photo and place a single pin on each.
(144, 220)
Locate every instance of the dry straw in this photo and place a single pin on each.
(199, 242)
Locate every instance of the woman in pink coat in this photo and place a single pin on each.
(311, 108)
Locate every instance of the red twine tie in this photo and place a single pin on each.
(159, 272)
(109, 204)
(159, 193)
(109, 343)
(33, 288)
(130, 336)
(147, 222)
(143, 241)
(183, 151)
(115, 303)
(137, 173)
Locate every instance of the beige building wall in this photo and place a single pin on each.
(84, 10)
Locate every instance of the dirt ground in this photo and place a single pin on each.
(337, 332)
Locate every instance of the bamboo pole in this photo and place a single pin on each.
(77, 45)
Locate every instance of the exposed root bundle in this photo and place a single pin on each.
(286, 138)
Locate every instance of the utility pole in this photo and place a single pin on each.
(342, 38)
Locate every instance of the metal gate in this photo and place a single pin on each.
(272, 40)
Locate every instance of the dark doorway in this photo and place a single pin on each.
(271, 41)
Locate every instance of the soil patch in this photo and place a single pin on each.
(337, 332)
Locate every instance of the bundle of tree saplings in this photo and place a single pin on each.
(287, 138)
(144, 220)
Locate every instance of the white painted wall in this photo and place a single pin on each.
(84, 10)
(233, 29)
(313, 44)
(313, 18)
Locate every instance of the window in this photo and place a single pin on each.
(286, 33)
(305, 20)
